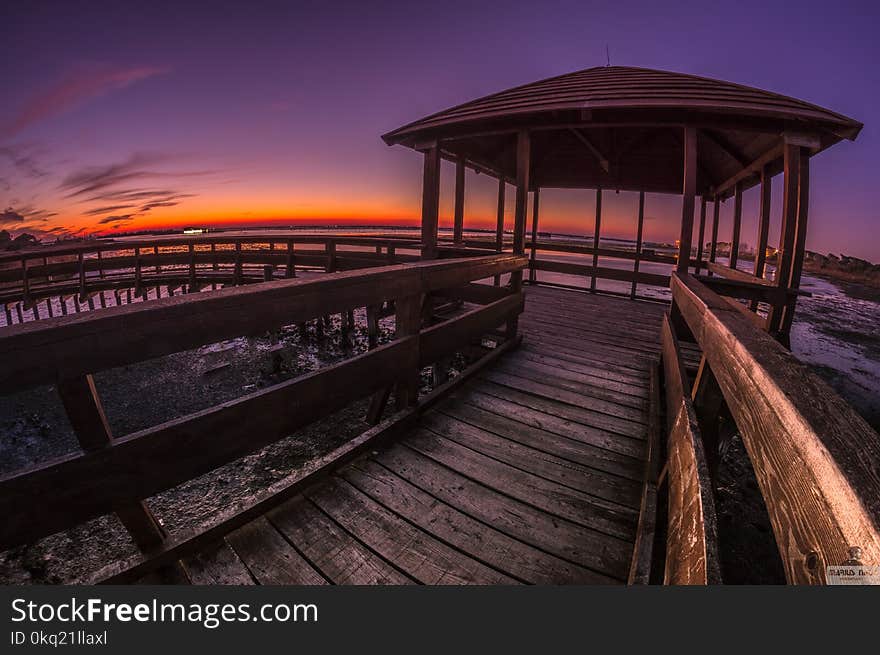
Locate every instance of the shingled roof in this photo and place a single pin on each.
(619, 127)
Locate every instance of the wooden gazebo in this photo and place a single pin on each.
(622, 128)
(544, 457)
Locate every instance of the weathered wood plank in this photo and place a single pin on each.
(270, 558)
(815, 459)
(692, 538)
(515, 558)
(419, 554)
(519, 520)
(329, 548)
(535, 461)
(217, 564)
(104, 480)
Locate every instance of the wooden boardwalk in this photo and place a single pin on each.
(531, 473)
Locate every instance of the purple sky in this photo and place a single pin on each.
(128, 115)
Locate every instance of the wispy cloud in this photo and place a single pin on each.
(74, 89)
(23, 159)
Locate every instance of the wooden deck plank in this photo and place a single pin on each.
(570, 474)
(559, 425)
(602, 516)
(218, 564)
(269, 557)
(412, 550)
(583, 412)
(563, 538)
(477, 539)
(592, 369)
(592, 387)
(329, 548)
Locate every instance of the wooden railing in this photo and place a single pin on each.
(817, 462)
(82, 273)
(116, 474)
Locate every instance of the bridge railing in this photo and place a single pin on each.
(817, 462)
(52, 280)
(115, 474)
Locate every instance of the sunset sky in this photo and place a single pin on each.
(126, 116)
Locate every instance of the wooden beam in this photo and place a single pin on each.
(737, 225)
(534, 253)
(523, 164)
(430, 201)
(787, 231)
(701, 233)
(814, 457)
(689, 190)
(523, 156)
(458, 218)
(602, 159)
(692, 536)
(716, 214)
(75, 345)
(86, 415)
(749, 171)
(639, 235)
(763, 222)
(800, 241)
(596, 232)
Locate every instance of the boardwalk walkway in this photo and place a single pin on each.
(531, 473)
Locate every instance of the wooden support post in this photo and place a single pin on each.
(82, 278)
(214, 265)
(138, 289)
(523, 157)
(237, 271)
(408, 321)
(800, 241)
(688, 192)
(737, 224)
(290, 269)
(639, 236)
(596, 232)
(331, 256)
(25, 282)
(499, 222)
(192, 266)
(372, 326)
(159, 266)
(534, 253)
(701, 232)
(86, 415)
(458, 220)
(763, 223)
(100, 266)
(791, 168)
(430, 201)
(716, 214)
(763, 228)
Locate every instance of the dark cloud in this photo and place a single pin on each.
(10, 216)
(164, 203)
(121, 218)
(106, 210)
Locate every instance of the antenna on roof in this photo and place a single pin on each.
(607, 56)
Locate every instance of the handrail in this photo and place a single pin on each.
(692, 534)
(815, 459)
(115, 474)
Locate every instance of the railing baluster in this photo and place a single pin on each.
(86, 415)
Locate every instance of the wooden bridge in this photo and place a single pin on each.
(579, 444)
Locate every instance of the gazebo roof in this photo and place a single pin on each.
(617, 127)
